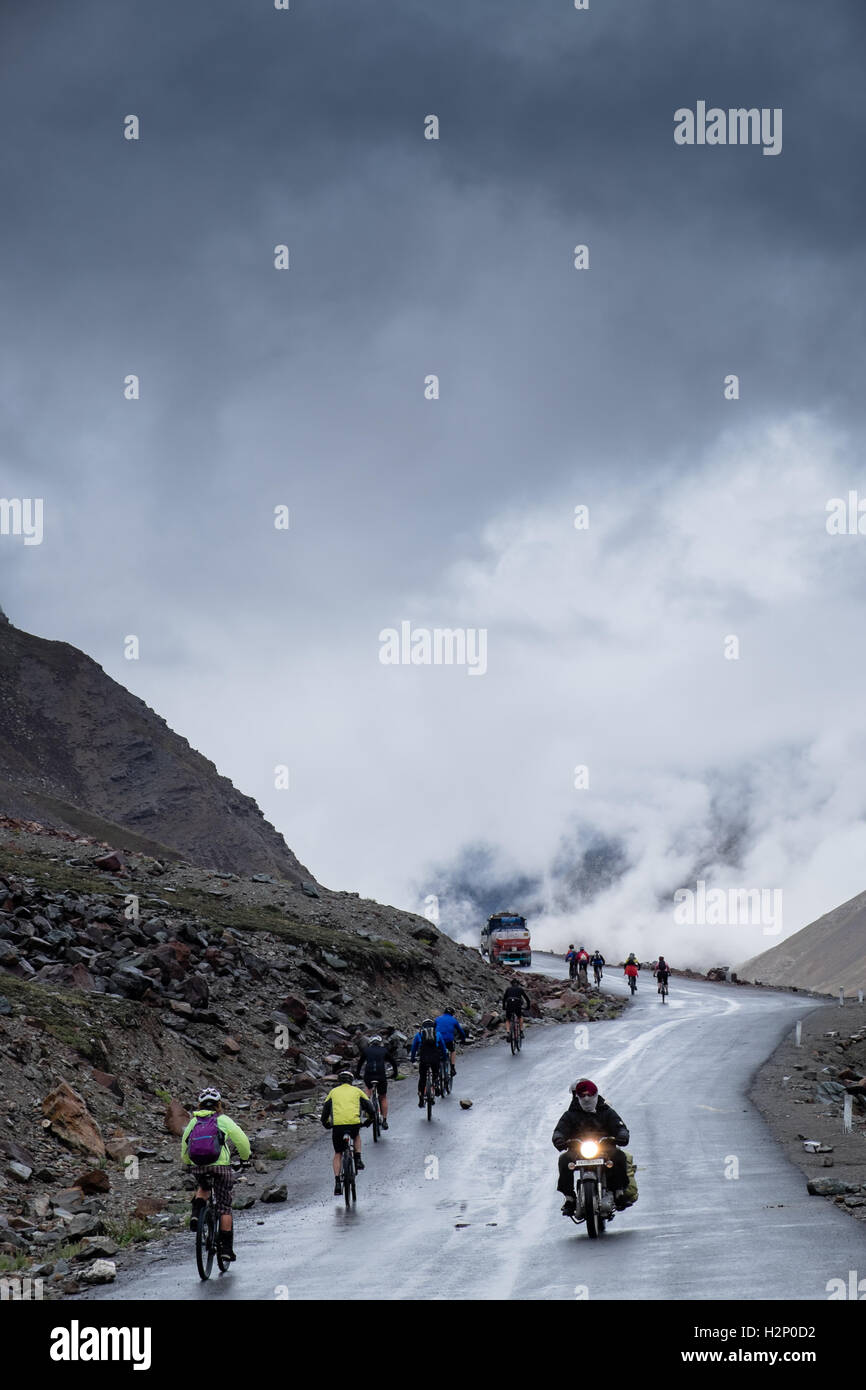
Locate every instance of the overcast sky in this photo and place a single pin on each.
(558, 387)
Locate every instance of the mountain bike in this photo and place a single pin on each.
(347, 1170)
(515, 1032)
(377, 1111)
(445, 1077)
(207, 1235)
(632, 983)
(663, 990)
(430, 1091)
(598, 971)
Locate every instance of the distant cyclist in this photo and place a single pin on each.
(373, 1063)
(663, 971)
(205, 1148)
(571, 961)
(598, 962)
(432, 1053)
(448, 1026)
(341, 1113)
(582, 958)
(512, 1003)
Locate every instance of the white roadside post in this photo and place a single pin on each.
(847, 1114)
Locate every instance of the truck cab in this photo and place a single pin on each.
(505, 939)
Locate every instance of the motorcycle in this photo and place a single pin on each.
(594, 1199)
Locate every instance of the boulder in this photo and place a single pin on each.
(275, 1193)
(100, 1272)
(830, 1187)
(110, 863)
(176, 1118)
(111, 1083)
(95, 1180)
(71, 1121)
(148, 1206)
(97, 1246)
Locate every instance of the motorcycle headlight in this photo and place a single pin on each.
(589, 1149)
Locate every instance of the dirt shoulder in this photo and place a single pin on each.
(786, 1091)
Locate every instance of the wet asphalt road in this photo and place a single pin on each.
(465, 1206)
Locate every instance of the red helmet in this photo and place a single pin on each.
(584, 1088)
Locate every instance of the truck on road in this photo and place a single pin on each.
(505, 939)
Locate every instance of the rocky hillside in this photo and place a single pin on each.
(79, 752)
(826, 956)
(126, 984)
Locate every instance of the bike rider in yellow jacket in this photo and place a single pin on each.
(342, 1114)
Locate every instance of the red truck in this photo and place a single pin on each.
(505, 938)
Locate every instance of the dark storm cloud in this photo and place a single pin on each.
(408, 257)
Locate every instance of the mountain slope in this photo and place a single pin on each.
(75, 745)
(827, 955)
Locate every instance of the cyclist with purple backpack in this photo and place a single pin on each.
(205, 1148)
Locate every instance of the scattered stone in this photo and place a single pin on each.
(148, 1206)
(19, 1171)
(276, 1193)
(465, 1104)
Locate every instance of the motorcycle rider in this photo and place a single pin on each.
(590, 1117)
(432, 1054)
(512, 1003)
(373, 1066)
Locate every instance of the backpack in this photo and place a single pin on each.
(428, 1035)
(205, 1143)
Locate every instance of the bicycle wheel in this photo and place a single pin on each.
(512, 1038)
(222, 1260)
(519, 1032)
(205, 1241)
(348, 1175)
(429, 1100)
(377, 1122)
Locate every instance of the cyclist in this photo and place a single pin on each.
(571, 961)
(631, 973)
(341, 1113)
(590, 1117)
(512, 1003)
(210, 1132)
(432, 1054)
(373, 1066)
(447, 1025)
(582, 959)
(663, 971)
(598, 962)
(633, 960)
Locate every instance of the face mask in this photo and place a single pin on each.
(588, 1103)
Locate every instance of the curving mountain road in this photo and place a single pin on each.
(466, 1205)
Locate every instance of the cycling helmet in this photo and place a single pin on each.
(427, 1023)
(345, 1076)
(448, 1010)
(210, 1093)
(583, 1087)
(376, 1038)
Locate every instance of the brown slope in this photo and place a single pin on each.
(76, 745)
(827, 955)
